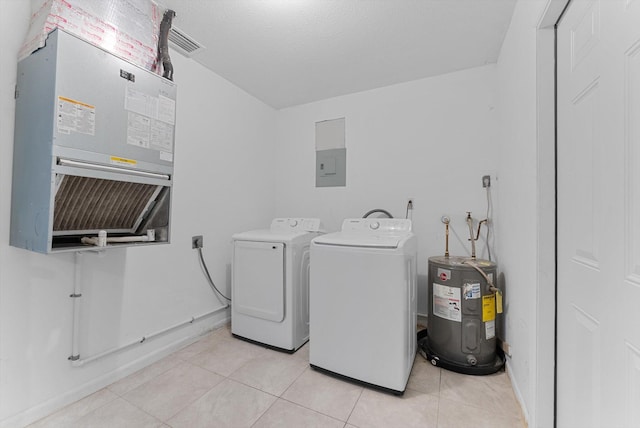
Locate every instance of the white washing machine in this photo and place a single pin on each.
(363, 302)
(270, 283)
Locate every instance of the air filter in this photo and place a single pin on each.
(87, 205)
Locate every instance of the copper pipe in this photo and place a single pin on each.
(480, 224)
(473, 241)
(446, 220)
(446, 240)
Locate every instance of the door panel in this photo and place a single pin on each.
(586, 170)
(632, 387)
(632, 154)
(579, 217)
(598, 361)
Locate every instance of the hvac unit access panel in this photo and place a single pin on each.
(76, 101)
(75, 97)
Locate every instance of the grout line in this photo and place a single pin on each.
(266, 410)
(60, 414)
(354, 405)
(312, 410)
(295, 380)
(439, 396)
(144, 411)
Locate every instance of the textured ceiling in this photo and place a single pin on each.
(290, 52)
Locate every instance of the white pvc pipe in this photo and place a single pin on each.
(101, 240)
(78, 362)
(75, 359)
(471, 238)
(76, 295)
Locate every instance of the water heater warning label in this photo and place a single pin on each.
(471, 291)
(488, 307)
(446, 302)
(490, 329)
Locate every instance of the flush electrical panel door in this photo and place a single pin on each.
(93, 149)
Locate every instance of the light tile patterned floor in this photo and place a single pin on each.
(221, 381)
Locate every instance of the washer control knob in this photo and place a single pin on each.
(375, 225)
(293, 223)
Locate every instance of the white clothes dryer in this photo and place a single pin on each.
(363, 302)
(270, 283)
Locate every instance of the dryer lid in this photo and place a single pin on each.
(284, 230)
(267, 235)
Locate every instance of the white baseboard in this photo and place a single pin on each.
(516, 391)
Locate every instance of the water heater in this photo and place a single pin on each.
(462, 315)
(93, 150)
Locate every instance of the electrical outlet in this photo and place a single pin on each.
(197, 242)
(486, 181)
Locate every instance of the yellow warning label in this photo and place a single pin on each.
(123, 161)
(488, 308)
(499, 302)
(69, 100)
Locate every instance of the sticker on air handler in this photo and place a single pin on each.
(115, 160)
(75, 116)
(446, 302)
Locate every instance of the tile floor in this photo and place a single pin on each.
(221, 381)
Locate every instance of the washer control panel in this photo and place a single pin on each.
(376, 225)
(299, 224)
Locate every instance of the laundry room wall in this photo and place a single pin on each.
(430, 140)
(224, 183)
(525, 232)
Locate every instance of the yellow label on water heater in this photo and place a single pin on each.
(488, 307)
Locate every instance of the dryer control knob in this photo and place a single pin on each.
(293, 223)
(375, 225)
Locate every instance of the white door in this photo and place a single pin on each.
(598, 338)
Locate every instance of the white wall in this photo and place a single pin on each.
(525, 230)
(224, 183)
(430, 140)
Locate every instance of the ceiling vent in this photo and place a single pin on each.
(183, 43)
